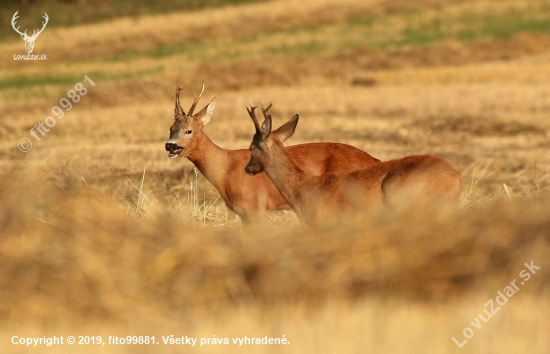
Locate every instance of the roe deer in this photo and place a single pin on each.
(250, 197)
(413, 181)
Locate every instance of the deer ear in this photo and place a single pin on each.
(207, 112)
(266, 127)
(286, 130)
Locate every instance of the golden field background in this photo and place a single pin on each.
(102, 234)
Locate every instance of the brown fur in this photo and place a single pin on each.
(413, 181)
(252, 197)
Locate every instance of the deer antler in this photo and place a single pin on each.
(178, 109)
(264, 110)
(196, 100)
(24, 34)
(13, 19)
(43, 26)
(252, 114)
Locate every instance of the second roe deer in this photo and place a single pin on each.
(413, 181)
(250, 197)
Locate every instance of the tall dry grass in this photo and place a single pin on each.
(102, 234)
(75, 259)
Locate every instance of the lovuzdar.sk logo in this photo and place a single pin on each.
(29, 40)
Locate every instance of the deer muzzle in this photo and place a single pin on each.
(253, 168)
(173, 150)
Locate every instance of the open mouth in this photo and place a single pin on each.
(173, 150)
(175, 153)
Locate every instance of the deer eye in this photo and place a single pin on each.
(188, 131)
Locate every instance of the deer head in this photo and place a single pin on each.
(186, 126)
(264, 140)
(29, 41)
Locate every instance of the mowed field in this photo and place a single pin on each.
(102, 234)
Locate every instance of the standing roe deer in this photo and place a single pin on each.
(413, 181)
(250, 197)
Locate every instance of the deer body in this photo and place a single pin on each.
(251, 197)
(413, 181)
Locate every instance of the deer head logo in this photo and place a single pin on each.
(29, 40)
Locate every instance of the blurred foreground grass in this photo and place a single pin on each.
(72, 258)
(93, 243)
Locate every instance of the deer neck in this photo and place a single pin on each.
(288, 177)
(210, 159)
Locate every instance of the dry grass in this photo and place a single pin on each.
(102, 234)
(75, 259)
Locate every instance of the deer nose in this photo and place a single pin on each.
(252, 169)
(170, 146)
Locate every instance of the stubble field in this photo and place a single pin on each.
(102, 234)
